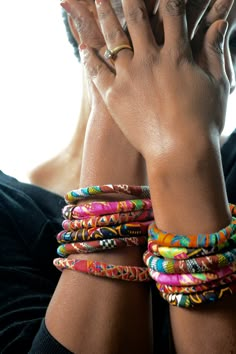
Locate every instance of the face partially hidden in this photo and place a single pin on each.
(230, 43)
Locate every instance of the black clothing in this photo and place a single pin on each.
(30, 217)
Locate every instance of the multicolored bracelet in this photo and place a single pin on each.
(105, 208)
(93, 191)
(158, 237)
(187, 253)
(192, 265)
(100, 269)
(108, 220)
(168, 289)
(191, 279)
(192, 300)
(100, 245)
(134, 229)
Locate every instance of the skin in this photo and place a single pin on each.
(119, 303)
(51, 174)
(200, 182)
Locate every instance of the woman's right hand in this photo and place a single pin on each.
(142, 81)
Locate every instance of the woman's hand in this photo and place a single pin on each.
(160, 96)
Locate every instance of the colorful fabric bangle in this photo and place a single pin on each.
(105, 208)
(100, 269)
(187, 253)
(192, 265)
(161, 238)
(193, 300)
(91, 191)
(132, 229)
(100, 245)
(191, 279)
(167, 289)
(109, 220)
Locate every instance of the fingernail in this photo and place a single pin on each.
(82, 46)
(66, 6)
(223, 28)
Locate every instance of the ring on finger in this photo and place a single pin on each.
(112, 53)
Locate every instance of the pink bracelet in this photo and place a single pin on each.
(191, 279)
(168, 289)
(100, 269)
(107, 220)
(105, 208)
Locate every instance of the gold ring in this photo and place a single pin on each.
(112, 53)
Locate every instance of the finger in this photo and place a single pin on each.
(84, 23)
(195, 9)
(139, 26)
(111, 29)
(213, 47)
(96, 69)
(229, 65)
(219, 11)
(174, 22)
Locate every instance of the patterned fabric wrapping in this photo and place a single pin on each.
(100, 269)
(91, 191)
(188, 269)
(97, 233)
(100, 245)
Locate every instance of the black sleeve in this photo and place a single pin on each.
(45, 343)
(29, 220)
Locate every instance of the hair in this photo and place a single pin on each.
(70, 36)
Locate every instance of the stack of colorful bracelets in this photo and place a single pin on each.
(188, 269)
(194, 269)
(93, 226)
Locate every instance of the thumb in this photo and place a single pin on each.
(213, 47)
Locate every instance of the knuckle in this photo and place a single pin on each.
(95, 70)
(175, 7)
(149, 60)
(103, 14)
(136, 15)
(221, 8)
(217, 46)
(81, 26)
(177, 55)
(112, 97)
(114, 35)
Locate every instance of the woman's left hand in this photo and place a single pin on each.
(160, 96)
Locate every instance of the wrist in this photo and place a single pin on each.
(190, 195)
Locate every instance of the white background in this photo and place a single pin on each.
(40, 83)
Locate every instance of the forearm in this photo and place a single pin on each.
(103, 315)
(191, 200)
(108, 156)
